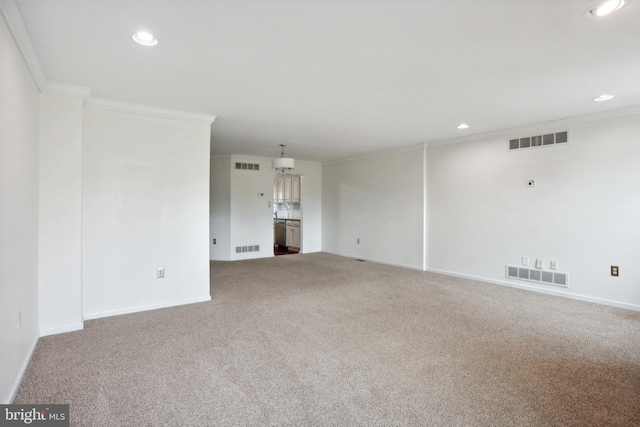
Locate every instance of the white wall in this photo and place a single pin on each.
(18, 214)
(60, 257)
(378, 200)
(311, 205)
(582, 213)
(239, 217)
(251, 218)
(220, 208)
(145, 202)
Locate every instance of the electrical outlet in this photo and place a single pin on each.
(160, 272)
(19, 319)
(553, 265)
(215, 241)
(358, 240)
(614, 270)
(539, 263)
(525, 260)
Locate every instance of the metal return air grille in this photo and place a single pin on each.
(248, 166)
(250, 248)
(556, 278)
(539, 140)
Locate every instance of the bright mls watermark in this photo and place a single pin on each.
(34, 415)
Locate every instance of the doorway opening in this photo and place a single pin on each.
(287, 215)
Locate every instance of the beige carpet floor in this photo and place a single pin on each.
(321, 340)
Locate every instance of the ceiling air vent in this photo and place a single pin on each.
(248, 166)
(556, 278)
(539, 140)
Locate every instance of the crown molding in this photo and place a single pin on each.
(66, 89)
(543, 127)
(540, 127)
(399, 150)
(12, 16)
(14, 21)
(126, 107)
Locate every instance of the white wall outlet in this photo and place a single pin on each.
(268, 203)
(19, 319)
(525, 260)
(539, 263)
(553, 265)
(160, 272)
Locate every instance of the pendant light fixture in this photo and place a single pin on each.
(283, 165)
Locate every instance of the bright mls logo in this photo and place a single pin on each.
(34, 415)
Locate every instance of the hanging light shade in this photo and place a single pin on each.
(283, 162)
(283, 165)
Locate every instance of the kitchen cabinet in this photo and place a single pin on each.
(295, 188)
(289, 236)
(275, 191)
(295, 231)
(293, 235)
(286, 189)
(278, 190)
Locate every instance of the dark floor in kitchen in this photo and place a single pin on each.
(282, 250)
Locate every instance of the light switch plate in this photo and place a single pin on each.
(539, 263)
(525, 260)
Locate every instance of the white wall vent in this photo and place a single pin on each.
(250, 248)
(539, 140)
(248, 166)
(556, 278)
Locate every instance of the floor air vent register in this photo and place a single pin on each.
(250, 248)
(556, 278)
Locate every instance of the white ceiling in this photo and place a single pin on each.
(335, 79)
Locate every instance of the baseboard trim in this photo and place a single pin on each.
(395, 264)
(554, 292)
(23, 370)
(62, 329)
(136, 309)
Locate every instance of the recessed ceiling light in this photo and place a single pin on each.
(463, 126)
(602, 98)
(606, 7)
(145, 39)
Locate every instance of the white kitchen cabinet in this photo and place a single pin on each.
(295, 188)
(289, 236)
(287, 189)
(293, 235)
(279, 190)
